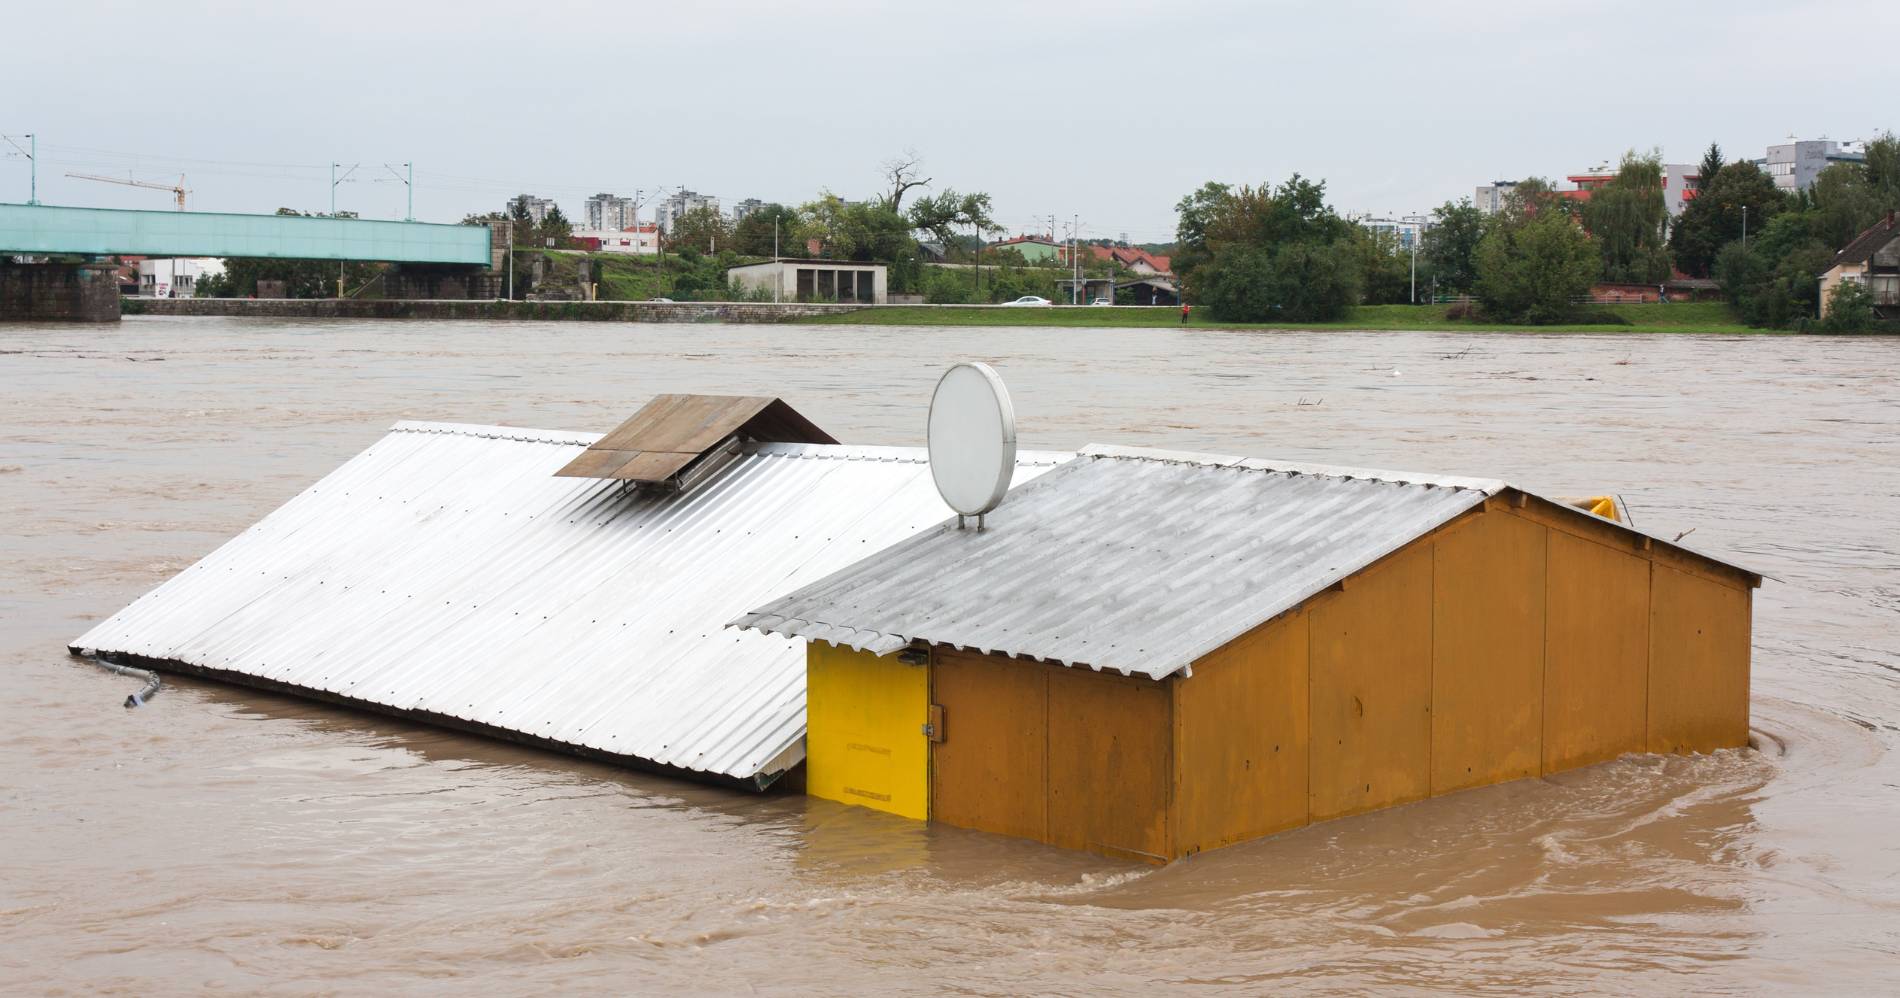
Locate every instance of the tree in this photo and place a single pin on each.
(1530, 269)
(1450, 249)
(901, 173)
(703, 229)
(555, 226)
(1711, 165)
(755, 234)
(1771, 281)
(1883, 170)
(1263, 254)
(946, 214)
(1384, 265)
(1714, 217)
(1842, 204)
(1629, 218)
(856, 230)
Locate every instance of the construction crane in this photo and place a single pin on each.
(178, 190)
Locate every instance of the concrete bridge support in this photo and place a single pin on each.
(441, 282)
(58, 292)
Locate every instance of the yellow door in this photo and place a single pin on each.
(864, 730)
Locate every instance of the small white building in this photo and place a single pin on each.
(815, 280)
(176, 276)
(640, 239)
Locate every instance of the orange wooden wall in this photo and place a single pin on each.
(1516, 641)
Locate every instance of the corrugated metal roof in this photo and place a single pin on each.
(1135, 560)
(447, 571)
(1131, 560)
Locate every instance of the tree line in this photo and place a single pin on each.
(1267, 253)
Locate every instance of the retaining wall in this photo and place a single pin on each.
(600, 311)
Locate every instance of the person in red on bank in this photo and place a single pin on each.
(1184, 312)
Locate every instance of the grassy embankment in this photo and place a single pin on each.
(1696, 317)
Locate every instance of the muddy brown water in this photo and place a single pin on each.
(226, 839)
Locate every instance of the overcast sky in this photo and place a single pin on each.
(1110, 110)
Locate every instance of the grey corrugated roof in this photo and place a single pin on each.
(1131, 560)
(447, 571)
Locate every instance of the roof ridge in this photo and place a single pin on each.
(1488, 486)
(495, 432)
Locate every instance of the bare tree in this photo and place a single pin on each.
(903, 173)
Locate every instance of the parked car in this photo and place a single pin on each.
(663, 301)
(1029, 301)
(1102, 301)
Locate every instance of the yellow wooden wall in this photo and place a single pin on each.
(1487, 650)
(864, 718)
(1518, 640)
(1371, 689)
(1241, 739)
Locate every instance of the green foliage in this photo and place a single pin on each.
(1384, 264)
(1531, 267)
(1628, 218)
(1842, 204)
(1714, 218)
(555, 226)
(1883, 169)
(1772, 282)
(702, 230)
(1711, 164)
(753, 236)
(865, 231)
(943, 215)
(1254, 254)
(1450, 249)
(1850, 309)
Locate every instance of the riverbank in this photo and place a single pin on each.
(580, 311)
(1696, 317)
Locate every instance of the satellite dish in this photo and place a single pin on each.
(972, 440)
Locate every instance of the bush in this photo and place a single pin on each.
(1531, 270)
(1850, 309)
(1295, 282)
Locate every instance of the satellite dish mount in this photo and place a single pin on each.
(972, 440)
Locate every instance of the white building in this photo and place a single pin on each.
(177, 276)
(679, 204)
(1490, 197)
(746, 207)
(1407, 229)
(815, 280)
(608, 212)
(640, 239)
(1795, 164)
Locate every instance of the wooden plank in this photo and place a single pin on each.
(864, 741)
(1242, 756)
(1575, 521)
(1487, 652)
(1371, 688)
(1698, 663)
(1110, 764)
(1596, 666)
(989, 772)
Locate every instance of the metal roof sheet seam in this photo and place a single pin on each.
(446, 571)
(1126, 559)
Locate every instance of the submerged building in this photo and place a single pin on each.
(1149, 654)
(568, 590)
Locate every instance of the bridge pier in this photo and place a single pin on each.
(441, 282)
(58, 292)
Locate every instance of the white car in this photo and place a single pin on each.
(1101, 301)
(1028, 301)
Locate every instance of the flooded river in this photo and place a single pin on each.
(227, 839)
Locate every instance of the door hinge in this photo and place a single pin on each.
(933, 727)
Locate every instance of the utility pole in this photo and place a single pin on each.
(409, 215)
(1744, 226)
(335, 180)
(32, 162)
(1075, 259)
(778, 269)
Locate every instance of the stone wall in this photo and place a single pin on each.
(58, 292)
(598, 311)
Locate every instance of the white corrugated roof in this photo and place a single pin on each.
(446, 571)
(1134, 560)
